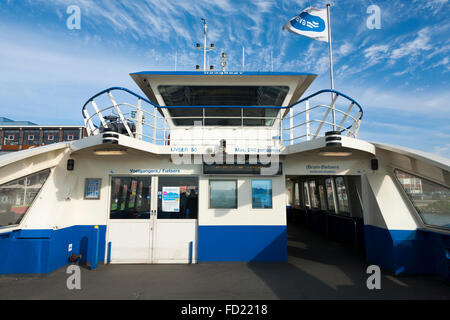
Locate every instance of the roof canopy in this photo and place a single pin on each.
(150, 81)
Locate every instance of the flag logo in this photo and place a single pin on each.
(307, 22)
(310, 23)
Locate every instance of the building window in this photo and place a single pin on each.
(31, 138)
(262, 194)
(223, 194)
(330, 193)
(70, 135)
(18, 195)
(51, 136)
(342, 196)
(11, 137)
(431, 200)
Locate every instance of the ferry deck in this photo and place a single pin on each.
(221, 167)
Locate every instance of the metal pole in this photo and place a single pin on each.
(308, 134)
(243, 59)
(204, 46)
(331, 63)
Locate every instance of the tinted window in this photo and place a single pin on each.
(342, 196)
(223, 95)
(261, 194)
(330, 193)
(17, 196)
(130, 198)
(223, 194)
(431, 200)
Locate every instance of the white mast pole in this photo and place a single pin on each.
(243, 59)
(204, 46)
(331, 63)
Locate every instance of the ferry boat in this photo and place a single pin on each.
(212, 166)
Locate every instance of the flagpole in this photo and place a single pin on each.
(331, 64)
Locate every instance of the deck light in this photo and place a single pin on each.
(326, 153)
(107, 152)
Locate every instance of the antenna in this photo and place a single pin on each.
(243, 59)
(223, 63)
(204, 48)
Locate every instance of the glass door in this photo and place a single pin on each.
(131, 219)
(175, 238)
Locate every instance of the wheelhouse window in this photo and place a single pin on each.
(342, 197)
(330, 194)
(431, 200)
(261, 194)
(17, 196)
(245, 96)
(223, 194)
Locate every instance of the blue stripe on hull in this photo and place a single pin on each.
(408, 251)
(42, 251)
(242, 243)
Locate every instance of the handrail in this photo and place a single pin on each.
(354, 116)
(209, 106)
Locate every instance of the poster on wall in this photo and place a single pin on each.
(171, 199)
(92, 189)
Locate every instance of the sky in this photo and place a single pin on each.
(399, 73)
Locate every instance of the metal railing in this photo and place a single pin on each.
(295, 123)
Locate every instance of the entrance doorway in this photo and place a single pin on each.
(153, 219)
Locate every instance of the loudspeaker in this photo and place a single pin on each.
(374, 164)
(70, 164)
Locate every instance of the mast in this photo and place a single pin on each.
(331, 64)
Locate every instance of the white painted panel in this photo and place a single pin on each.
(130, 241)
(172, 238)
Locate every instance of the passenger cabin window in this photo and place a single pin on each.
(130, 198)
(330, 194)
(262, 194)
(342, 197)
(306, 201)
(223, 194)
(177, 197)
(296, 195)
(431, 200)
(322, 196)
(17, 196)
(315, 203)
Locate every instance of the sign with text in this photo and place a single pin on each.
(171, 199)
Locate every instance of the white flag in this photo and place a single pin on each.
(311, 23)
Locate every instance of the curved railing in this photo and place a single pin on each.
(297, 122)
